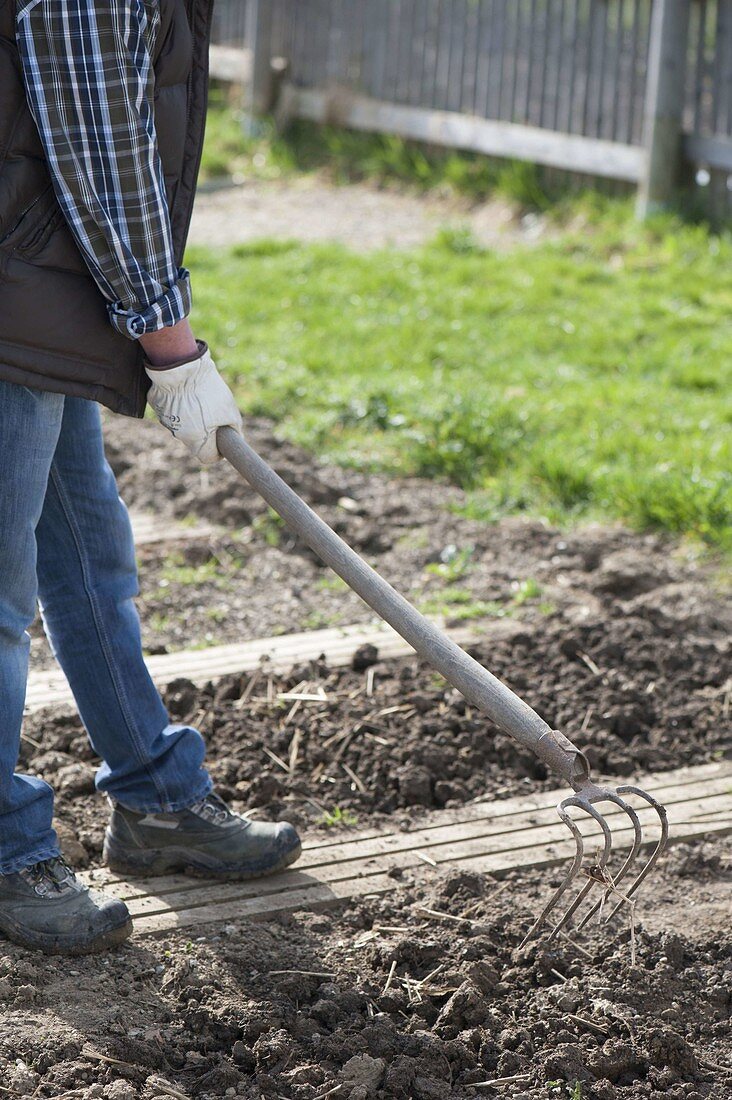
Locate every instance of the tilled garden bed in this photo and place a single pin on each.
(380, 998)
(619, 640)
(383, 999)
(324, 746)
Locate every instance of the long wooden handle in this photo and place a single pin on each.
(480, 687)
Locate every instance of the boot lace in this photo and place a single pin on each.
(214, 809)
(49, 876)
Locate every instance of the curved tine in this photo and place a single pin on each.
(662, 840)
(586, 805)
(612, 796)
(569, 876)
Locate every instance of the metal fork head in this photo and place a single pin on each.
(585, 799)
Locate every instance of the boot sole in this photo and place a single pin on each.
(126, 861)
(57, 945)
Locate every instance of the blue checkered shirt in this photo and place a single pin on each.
(89, 80)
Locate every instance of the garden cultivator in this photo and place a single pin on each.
(489, 695)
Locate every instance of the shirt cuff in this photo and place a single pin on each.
(169, 309)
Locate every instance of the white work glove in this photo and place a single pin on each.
(192, 401)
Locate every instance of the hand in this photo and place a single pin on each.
(192, 401)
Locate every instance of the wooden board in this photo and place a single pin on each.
(48, 687)
(230, 63)
(712, 152)
(491, 837)
(149, 528)
(342, 107)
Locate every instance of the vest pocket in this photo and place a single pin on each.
(30, 224)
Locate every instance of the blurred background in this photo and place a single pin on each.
(481, 241)
(626, 72)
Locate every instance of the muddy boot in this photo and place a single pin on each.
(45, 907)
(206, 839)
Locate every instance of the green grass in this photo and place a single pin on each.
(586, 377)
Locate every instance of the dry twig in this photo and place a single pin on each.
(360, 785)
(499, 1081)
(589, 1024)
(587, 660)
(294, 750)
(322, 1095)
(277, 759)
(578, 947)
(304, 973)
(447, 916)
(602, 876)
(167, 1088)
(89, 1052)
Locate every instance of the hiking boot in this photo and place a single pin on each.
(45, 907)
(206, 839)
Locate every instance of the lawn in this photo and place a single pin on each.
(586, 377)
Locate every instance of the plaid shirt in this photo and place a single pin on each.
(89, 80)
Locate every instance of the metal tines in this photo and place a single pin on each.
(598, 874)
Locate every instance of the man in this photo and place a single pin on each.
(102, 108)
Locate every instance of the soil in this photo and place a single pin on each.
(254, 579)
(623, 642)
(381, 1000)
(395, 738)
(361, 215)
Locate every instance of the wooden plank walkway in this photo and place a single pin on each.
(149, 528)
(48, 687)
(492, 837)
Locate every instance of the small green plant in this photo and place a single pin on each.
(563, 1088)
(216, 614)
(318, 620)
(339, 816)
(436, 682)
(529, 589)
(459, 605)
(159, 622)
(330, 582)
(269, 526)
(176, 570)
(453, 565)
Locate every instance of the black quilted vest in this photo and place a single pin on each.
(54, 331)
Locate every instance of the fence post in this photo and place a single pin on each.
(667, 58)
(259, 41)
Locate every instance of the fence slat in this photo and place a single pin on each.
(664, 103)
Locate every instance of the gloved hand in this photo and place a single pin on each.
(192, 401)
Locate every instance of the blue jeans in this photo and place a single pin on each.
(65, 537)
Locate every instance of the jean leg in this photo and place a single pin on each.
(30, 422)
(87, 579)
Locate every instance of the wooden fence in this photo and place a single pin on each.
(633, 90)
